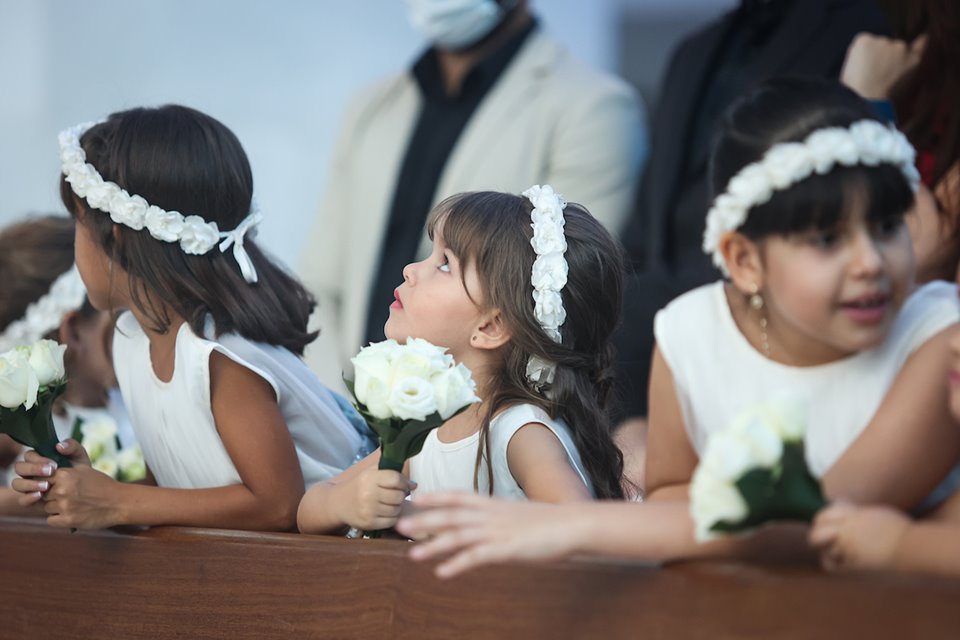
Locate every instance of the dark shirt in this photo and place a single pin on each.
(442, 119)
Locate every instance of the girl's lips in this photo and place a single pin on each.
(396, 304)
(870, 309)
(954, 378)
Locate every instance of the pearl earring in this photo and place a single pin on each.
(756, 301)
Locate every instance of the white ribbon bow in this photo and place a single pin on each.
(235, 238)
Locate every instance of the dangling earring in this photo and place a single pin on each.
(756, 301)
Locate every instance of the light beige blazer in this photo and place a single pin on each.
(548, 120)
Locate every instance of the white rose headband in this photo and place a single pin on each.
(195, 235)
(549, 274)
(865, 142)
(45, 314)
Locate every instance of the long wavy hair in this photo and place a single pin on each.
(492, 231)
(182, 160)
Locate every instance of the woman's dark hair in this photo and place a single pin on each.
(788, 110)
(33, 254)
(492, 232)
(179, 159)
(927, 99)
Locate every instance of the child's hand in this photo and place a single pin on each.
(874, 64)
(82, 498)
(35, 471)
(375, 499)
(852, 537)
(477, 530)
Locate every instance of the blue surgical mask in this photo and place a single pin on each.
(456, 24)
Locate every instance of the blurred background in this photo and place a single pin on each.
(279, 74)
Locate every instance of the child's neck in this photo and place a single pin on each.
(163, 344)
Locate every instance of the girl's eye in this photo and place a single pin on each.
(824, 239)
(888, 227)
(445, 266)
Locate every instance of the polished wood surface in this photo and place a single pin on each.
(196, 583)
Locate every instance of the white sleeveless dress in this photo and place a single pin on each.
(173, 421)
(449, 466)
(717, 373)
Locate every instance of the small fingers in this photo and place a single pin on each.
(446, 543)
(25, 485)
(29, 499)
(35, 467)
(394, 480)
(470, 558)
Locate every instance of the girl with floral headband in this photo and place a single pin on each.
(232, 424)
(44, 297)
(808, 224)
(525, 291)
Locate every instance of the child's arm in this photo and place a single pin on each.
(912, 441)
(470, 530)
(255, 436)
(882, 538)
(363, 496)
(539, 463)
(671, 458)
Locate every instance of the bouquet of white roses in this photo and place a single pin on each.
(99, 438)
(755, 472)
(32, 377)
(405, 390)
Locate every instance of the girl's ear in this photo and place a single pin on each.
(743, 260)
(491, 332)
(68, 332)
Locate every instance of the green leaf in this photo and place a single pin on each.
(33, 427)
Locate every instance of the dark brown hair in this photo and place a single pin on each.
(927, 100)
(179, 159)
(33, 254)
(492, 232)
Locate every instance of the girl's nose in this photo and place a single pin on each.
(868, 258)
(408, 273)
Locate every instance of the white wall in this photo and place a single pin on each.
(277, 73)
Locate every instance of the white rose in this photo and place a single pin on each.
(751, 186)
(106, 465)
(18, 382)
(198, 236)
(787, 163)
(82, 177)
(163, 225)
(549, 272)
(101, 194)
(131, 464)
(787, 417)
(728, 456)
(410, 364)
(372, 377)
(129, 210)
(713, 500)
(46, 358)
(868, 136)
(453, 389)
(99, 438)
(438, 356)
(549, 308)
(548, 238)
(763, 442)
(412, 399)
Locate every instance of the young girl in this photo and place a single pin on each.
(232, 424)
(45, 298)
(525, 291)
(883, 538)
(809, 225)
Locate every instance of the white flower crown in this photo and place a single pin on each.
(866, 142)
(195, 235)
(549, 274)
(45, 314)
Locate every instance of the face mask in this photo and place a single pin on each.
(456, 24)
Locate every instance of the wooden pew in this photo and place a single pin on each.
(197, 583)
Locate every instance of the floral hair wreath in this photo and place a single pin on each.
(195, 235)
(549, 274)
(865, 142)
(45, 314)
